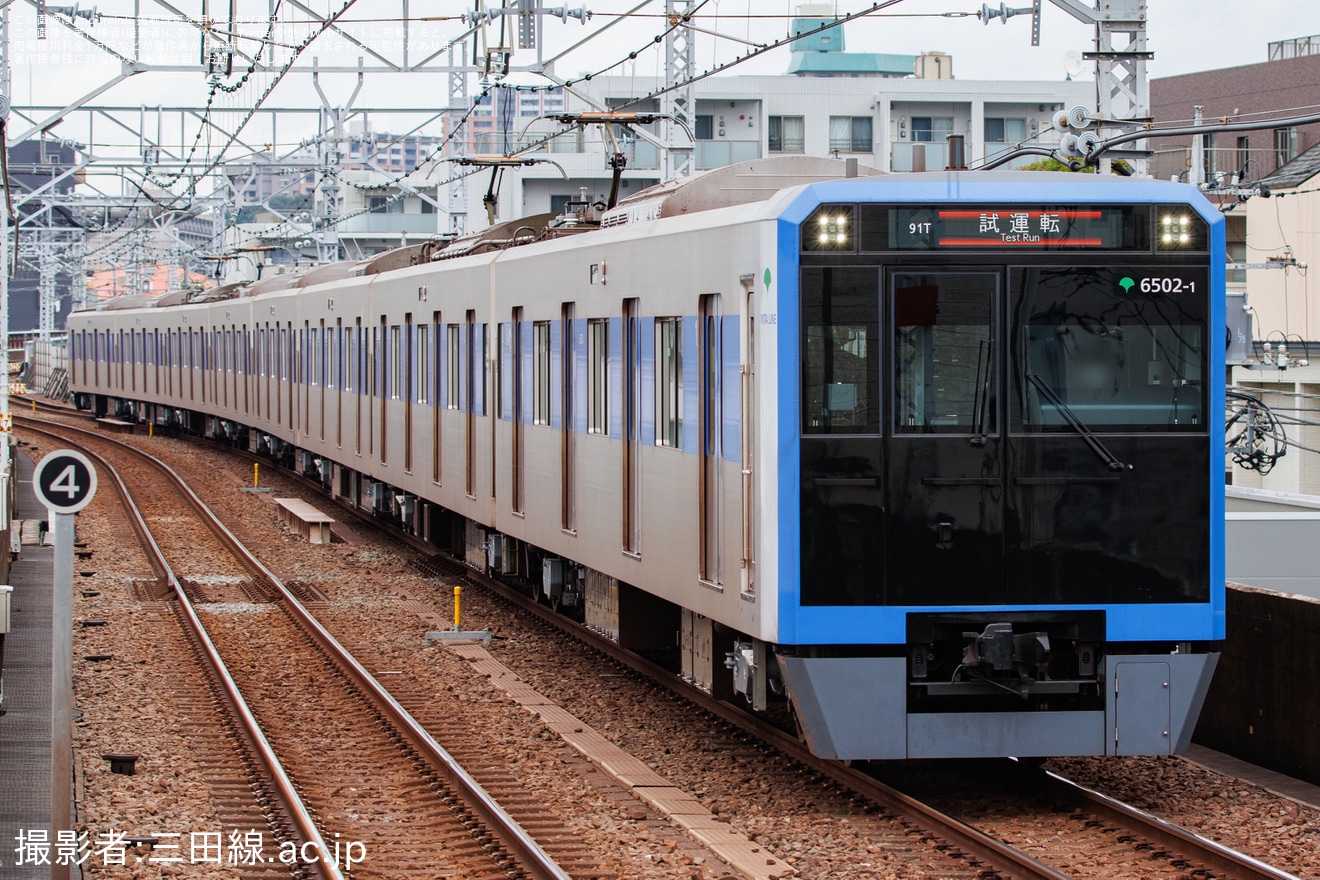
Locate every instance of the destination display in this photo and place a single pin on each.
(1002, 227)
(1010, 226)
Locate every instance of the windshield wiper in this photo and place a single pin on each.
(1077, 424)
(981, 399)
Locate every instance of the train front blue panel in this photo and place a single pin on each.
(1063, 376)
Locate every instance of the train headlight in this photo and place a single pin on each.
(829, 229)
(1179, 229)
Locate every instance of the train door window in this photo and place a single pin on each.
(541, 373)
(598, 375)
(396, 363)
(473, 365)
(747, 444)
(350, 359)
(433, 369)
(840, 351)
(337, 376)
(669, 382)
(321, 373)
(632, 429)
(943, 352)
(422, 369)
(519, 386)
(711, 419)
(454, 396)
(387, 386)
(404, 387)
(354, 374)
(569, 346)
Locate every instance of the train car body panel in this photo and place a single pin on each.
(940, 482)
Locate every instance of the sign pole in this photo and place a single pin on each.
(65, 482)
(61, 685)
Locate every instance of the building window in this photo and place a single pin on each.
(705, 128)
(1285, 145)
(850, 134)
(455, 367)
(541, 373)
(1243, 155)
(787, 134)
(384, 205)
(931, 129)
(598, 391)
(669, 381)
(1005, 131)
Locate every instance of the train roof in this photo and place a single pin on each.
(740, 184)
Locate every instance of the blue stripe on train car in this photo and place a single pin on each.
(556, 374)
(646, 399)
(615, 403)
(506, 376)
(581, 393)
(691, 365)
(526, 355)
(731, 389)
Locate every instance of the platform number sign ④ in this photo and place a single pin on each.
(64, 481)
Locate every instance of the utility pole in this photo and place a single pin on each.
(1120, 56)
(458, 108)
(331, 135)
(679, 104)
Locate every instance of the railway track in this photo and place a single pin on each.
(1106, 838)
(1093, 822)
(374, 782)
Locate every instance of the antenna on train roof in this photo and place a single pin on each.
(497, 164)
(605, 119)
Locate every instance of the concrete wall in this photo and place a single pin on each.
(1272, 540)
(1264, 703)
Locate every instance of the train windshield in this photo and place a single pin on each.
(1120, 350)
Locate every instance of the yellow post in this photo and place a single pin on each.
(458, 602)
(256, 473)
(151, 429)
(34, 404)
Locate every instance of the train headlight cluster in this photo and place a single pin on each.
(1175, 231)
(829, 228)
(1179, 230)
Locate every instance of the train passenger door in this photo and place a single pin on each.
(943, 468)
(842, 469)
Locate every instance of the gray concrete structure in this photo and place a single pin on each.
(25, 728)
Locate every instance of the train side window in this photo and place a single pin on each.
(669, 381)
(598, 375)
(943, 352)
(840, 351)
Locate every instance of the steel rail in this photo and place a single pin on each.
(1004, 861)
(511, 835)
(1218, 858)
(290, 803)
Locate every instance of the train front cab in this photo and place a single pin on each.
(1006, 537)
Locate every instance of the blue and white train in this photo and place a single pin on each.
(936, 458)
